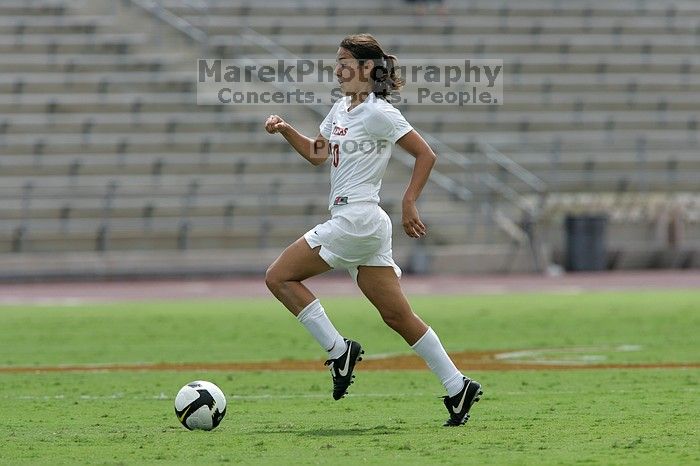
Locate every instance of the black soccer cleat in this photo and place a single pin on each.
(342, 368)
(459, 405)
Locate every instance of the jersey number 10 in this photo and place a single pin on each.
(335, 150)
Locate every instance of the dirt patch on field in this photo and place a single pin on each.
(478, 361)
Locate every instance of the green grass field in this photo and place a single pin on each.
(598, 416)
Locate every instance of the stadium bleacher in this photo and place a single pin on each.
(107, 161)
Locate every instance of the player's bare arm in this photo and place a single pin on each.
(313, 150)
(415, 145)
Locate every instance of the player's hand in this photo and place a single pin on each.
(412, 224)
(275, 124)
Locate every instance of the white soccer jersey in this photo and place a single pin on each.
(360, 145)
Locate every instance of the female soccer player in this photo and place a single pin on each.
(358, 134)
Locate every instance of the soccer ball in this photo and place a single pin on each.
(200, 405)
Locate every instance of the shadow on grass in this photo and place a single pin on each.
(377, 430)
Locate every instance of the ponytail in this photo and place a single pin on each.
(390, 81)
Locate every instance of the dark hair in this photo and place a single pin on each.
(384, 75)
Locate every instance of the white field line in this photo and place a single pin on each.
(164, 397)
(580, 355)
(531, 355)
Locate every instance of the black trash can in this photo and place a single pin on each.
(586, 248)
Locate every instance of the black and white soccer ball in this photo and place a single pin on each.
(200, 405)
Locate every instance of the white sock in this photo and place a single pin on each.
(431, 350)
(314, 318)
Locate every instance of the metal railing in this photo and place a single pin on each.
(156, 9)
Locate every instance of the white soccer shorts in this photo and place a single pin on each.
(357, 234)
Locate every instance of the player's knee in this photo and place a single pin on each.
(273, 279)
